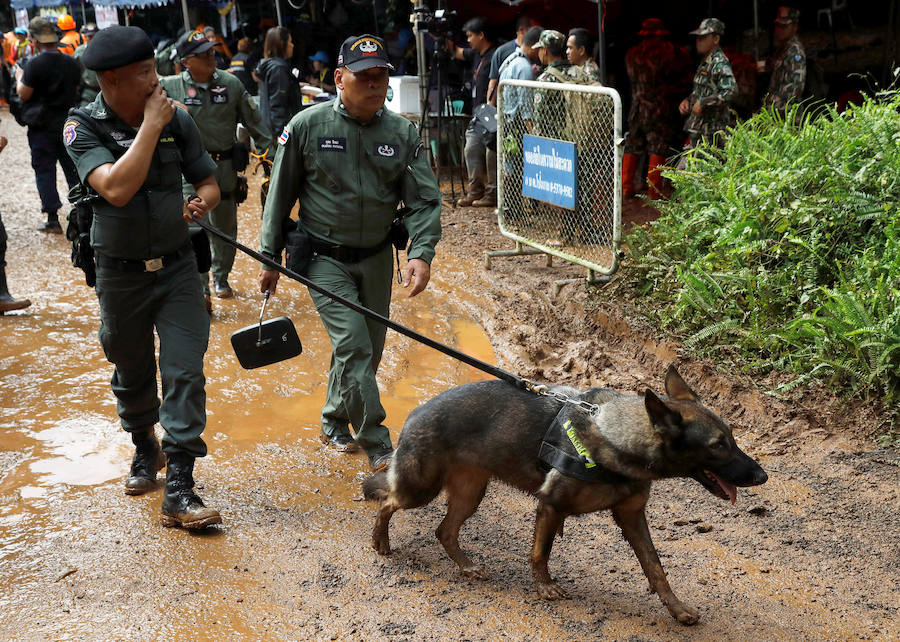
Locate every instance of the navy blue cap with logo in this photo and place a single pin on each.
(363, 52)
(194, 45)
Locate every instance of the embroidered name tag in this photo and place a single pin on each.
(386, 149)
(332, 144)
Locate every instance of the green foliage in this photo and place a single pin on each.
(785, 247)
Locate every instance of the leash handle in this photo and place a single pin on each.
(494, 371)
(262, 312)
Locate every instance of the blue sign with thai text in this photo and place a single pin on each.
(549, 170)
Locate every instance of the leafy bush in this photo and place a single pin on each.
(785, 247)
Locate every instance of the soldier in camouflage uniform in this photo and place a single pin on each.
(707, 108)
(549, 106)
(578, 47)
(659, 71)
(787, 64)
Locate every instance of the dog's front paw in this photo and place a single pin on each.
(475, 572)
(381, 546)
(550, 591)
(684, 614)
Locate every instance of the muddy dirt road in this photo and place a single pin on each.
(813, 554)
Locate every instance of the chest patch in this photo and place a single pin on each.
(193, 101)
(329, 144)
(284, 136)
(219, 94)
(386, 149)
(191, 92)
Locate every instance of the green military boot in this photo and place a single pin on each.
(148, 459)
(181, 506)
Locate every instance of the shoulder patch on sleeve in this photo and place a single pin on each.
(284, 137)
(69, 133)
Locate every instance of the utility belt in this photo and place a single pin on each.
(346, 254)
(143, 265)
(238, 154)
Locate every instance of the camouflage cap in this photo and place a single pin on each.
(553, 40)
(787, 15)
(708, 26)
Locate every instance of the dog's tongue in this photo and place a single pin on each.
(729, 489)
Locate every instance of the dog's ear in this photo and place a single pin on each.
(677, 388)
(666, 420)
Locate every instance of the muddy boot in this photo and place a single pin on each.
(488, 200)
(148, 460)
(7, 301)
(181, 506)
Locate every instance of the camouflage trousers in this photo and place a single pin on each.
(656, 137)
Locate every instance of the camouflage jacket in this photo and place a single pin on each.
(592, 69)
(660, 74)
(788, 67)
(550, 106)
(714, 88)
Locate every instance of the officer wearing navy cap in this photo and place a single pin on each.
(349, 163)
(131, 147)
(217, 101)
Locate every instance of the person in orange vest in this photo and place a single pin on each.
(71, 39)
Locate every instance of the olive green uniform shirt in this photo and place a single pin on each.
(217, 107)
(349, 178)
(151, 224)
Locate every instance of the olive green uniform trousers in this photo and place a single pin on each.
(169, 301)
(356, 342)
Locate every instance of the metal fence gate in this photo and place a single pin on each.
(559, 176)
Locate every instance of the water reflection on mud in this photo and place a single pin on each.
(59, 434)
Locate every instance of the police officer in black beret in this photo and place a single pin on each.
(131, 146)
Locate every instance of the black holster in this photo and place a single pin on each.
(240, 156)
(78, 231)
(297, 246)
(398, 234)
(202, 250)
(241, 190)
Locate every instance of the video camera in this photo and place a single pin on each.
(440, 22)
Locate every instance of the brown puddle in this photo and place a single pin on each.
(59, 433)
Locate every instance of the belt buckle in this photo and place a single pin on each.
(152, 265)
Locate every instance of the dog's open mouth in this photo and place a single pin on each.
(716, 485)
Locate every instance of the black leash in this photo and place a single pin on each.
(494, 371)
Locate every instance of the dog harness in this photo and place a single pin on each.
(562, 449)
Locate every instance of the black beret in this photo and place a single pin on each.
(115, 47)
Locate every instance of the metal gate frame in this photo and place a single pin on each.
(537, 246)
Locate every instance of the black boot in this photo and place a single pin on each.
(148, 459)
(52, 225)
(7, 301)
(181, 506)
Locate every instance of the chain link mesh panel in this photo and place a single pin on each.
(589, 117)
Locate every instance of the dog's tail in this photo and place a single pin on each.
(375, 487)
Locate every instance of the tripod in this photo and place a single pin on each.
(440, 58)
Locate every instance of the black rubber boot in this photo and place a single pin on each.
(148, 459)
(181, 506)
(7, 301)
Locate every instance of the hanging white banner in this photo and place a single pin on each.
(106, 15)
(22, 18)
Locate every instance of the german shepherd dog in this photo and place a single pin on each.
(462, 438)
